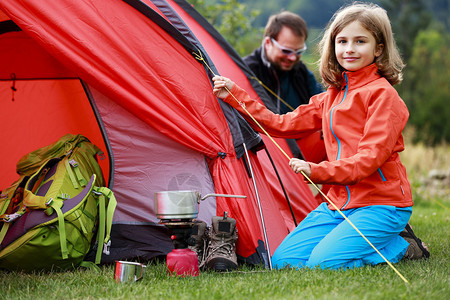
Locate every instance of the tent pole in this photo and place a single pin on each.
(260, 209)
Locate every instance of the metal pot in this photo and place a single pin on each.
(181, 204)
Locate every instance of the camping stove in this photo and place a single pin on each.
(181, 231)
(181, 261)
(177, 211)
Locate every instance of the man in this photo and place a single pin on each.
(277, 62)
(278, 67)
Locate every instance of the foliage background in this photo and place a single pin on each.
(421, 29)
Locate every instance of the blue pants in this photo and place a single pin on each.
(325, 239)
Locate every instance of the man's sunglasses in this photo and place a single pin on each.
(289, 51)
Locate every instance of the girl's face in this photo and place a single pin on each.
(355, 47)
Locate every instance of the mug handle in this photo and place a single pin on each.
(142, 272)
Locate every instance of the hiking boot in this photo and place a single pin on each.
(199, 239)
(222, 244)
(416, 249)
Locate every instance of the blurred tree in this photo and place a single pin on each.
(426, 86)
(441, 11)
(407, 18)
(233, 20)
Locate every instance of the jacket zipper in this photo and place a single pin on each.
(381, 175)
(335, 136)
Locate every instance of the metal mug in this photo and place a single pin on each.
(126, 271)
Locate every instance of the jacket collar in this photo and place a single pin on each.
(361, 77)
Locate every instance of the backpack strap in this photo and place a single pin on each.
(74, 173)
(71, 174)
(12, 199)
(15, 202)
(105, 220)
(38, 182)
(56, 205)
(32, 198)
(80, 177)
(3, 231)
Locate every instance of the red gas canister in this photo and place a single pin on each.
(182, 262)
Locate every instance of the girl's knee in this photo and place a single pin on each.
(316, 261)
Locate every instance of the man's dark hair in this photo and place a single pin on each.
(287, 19)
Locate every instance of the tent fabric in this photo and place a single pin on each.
(141, 164)
(25, 58)
(127, 76)
(123, 73)
(46, 118)
(251, 137)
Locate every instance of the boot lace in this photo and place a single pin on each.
(220, 247)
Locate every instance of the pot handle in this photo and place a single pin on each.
(222, 195)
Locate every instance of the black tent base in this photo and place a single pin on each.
(258, 258)
(136, 242)
(151, 242)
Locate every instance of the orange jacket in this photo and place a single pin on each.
(362, 126)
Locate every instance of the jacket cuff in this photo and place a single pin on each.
(230, 99)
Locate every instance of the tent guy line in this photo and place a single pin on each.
(272, 92)
(200, 58)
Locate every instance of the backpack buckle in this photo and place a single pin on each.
(73, 163)
(107, 247)
(11, 217)
(64, 196)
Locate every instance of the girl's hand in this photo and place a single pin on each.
(222, 86)
(298, 165)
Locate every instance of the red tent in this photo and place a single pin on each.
(123, 74)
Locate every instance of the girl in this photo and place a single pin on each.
(362, 118)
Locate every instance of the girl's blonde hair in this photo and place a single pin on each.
(374, 19)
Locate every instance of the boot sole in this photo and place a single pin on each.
(221, 265)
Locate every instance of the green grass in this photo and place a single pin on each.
(427, 279)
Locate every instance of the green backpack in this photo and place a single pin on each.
(53, 212)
